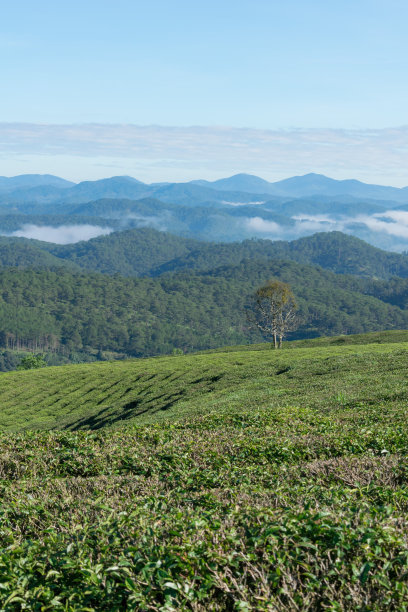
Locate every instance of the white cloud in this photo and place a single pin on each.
(400, 216)
(392, 223)
(64, 234)
(262, 226)
(315, 218)
(318, 223)
(160, 153)
(393, 229)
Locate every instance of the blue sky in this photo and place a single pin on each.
(268, 66)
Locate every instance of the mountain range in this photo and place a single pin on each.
(235, 208)
(125, 186)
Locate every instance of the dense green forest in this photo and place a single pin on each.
(148, 252)
(62, 312)
(141, 292)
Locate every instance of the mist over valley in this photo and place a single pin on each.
(237, 208)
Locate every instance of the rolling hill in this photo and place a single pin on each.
(311, 184)
(91, 396)
(272, 479)
(30, 181)
(233, 478)
(189, 310)
(141, 292)
(148, 252)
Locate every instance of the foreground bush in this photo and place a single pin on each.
(285, 508)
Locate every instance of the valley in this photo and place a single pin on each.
(236, 208)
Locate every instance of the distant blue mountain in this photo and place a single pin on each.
(239, 182)
(316, 184)
(241, 188)
(242, 206)
(115, 187)
(307, 185)
(27, 181)
(187, 194)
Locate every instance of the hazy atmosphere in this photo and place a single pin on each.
(184, 91)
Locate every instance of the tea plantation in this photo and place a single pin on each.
(235, 480)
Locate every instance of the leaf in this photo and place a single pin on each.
(172, 585)
(364, 572)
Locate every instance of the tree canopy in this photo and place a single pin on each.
(273, 310)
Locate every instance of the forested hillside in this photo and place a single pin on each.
(136, 252)
(66, 312)
(22, 253)
(142, 292)
(148, 252)
(333, 251)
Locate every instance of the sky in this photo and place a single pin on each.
(180, 90)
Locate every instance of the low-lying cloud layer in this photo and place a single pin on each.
(63, 234)
(262, 226)
(161, 153)
(394, 223)
(388, 229)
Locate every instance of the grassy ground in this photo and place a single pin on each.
(247, 480)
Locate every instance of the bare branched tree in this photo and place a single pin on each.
(274, 311)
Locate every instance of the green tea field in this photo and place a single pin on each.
(243, 479)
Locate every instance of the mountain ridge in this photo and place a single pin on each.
(311, 184)
(149, 252)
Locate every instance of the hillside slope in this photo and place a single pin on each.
(266, 480)
(148, 252)
(188, 310)
(332, 251)
(22, 253)
(103, 394)
(134, 252)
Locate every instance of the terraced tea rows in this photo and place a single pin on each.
(146, 390)
(266, 480)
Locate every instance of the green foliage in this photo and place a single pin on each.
(32, 362)
(149, 390)
(21, 253)
(148, 252)
(134, 252)
(90, 313)
(73, 316)
(333, 251)
(273, 481)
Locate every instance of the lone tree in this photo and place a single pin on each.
(273, 311)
